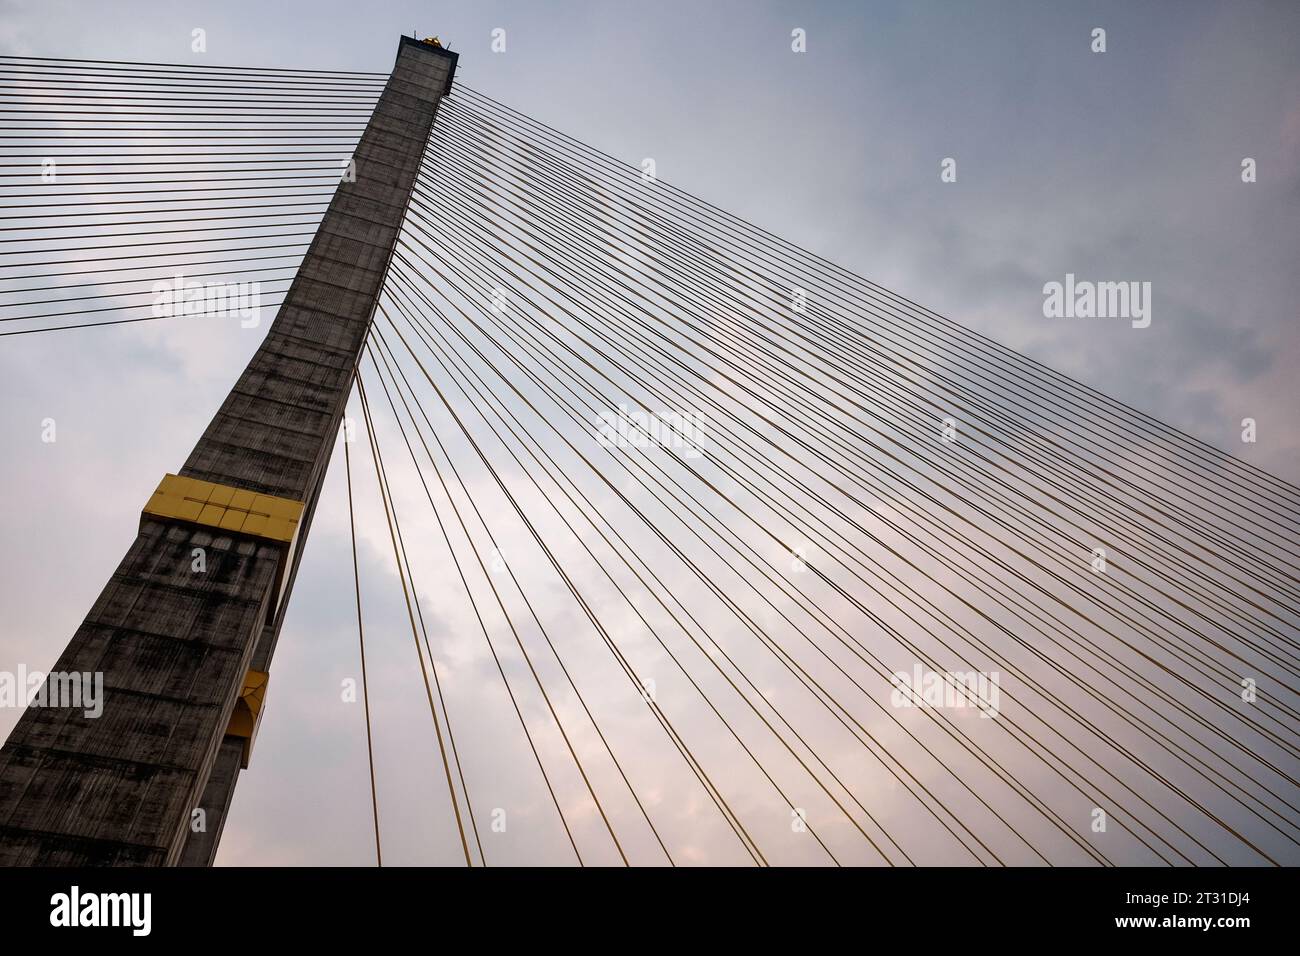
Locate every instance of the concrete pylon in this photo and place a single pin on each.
(185, 654)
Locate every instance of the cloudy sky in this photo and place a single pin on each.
(1124, 165)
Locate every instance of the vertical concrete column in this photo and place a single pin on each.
(174, 646)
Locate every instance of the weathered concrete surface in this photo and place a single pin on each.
(201, 846)
(173, 644)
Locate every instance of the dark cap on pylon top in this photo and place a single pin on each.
(433, 45)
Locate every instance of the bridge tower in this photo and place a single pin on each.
(186, 655)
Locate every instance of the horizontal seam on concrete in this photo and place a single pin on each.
(292, 336)
(277, 426)
(284, 379)
(146, 577)
(100, 759)
(154, 635)
(69, 838)
(334, 285)
(151, 695)
(253, 451)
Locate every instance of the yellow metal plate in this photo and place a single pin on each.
(242, 499)
(248, 711)
(212, 515)
(255, 525)
(186, 509)
(221, 496)
(229, 509)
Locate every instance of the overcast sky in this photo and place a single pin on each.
(1117, 166)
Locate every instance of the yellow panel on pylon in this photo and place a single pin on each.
(247, 715)
(221, 495)
(225, 508)
(255, 526)
(235, 511)
(211, 515)
(242, 499)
